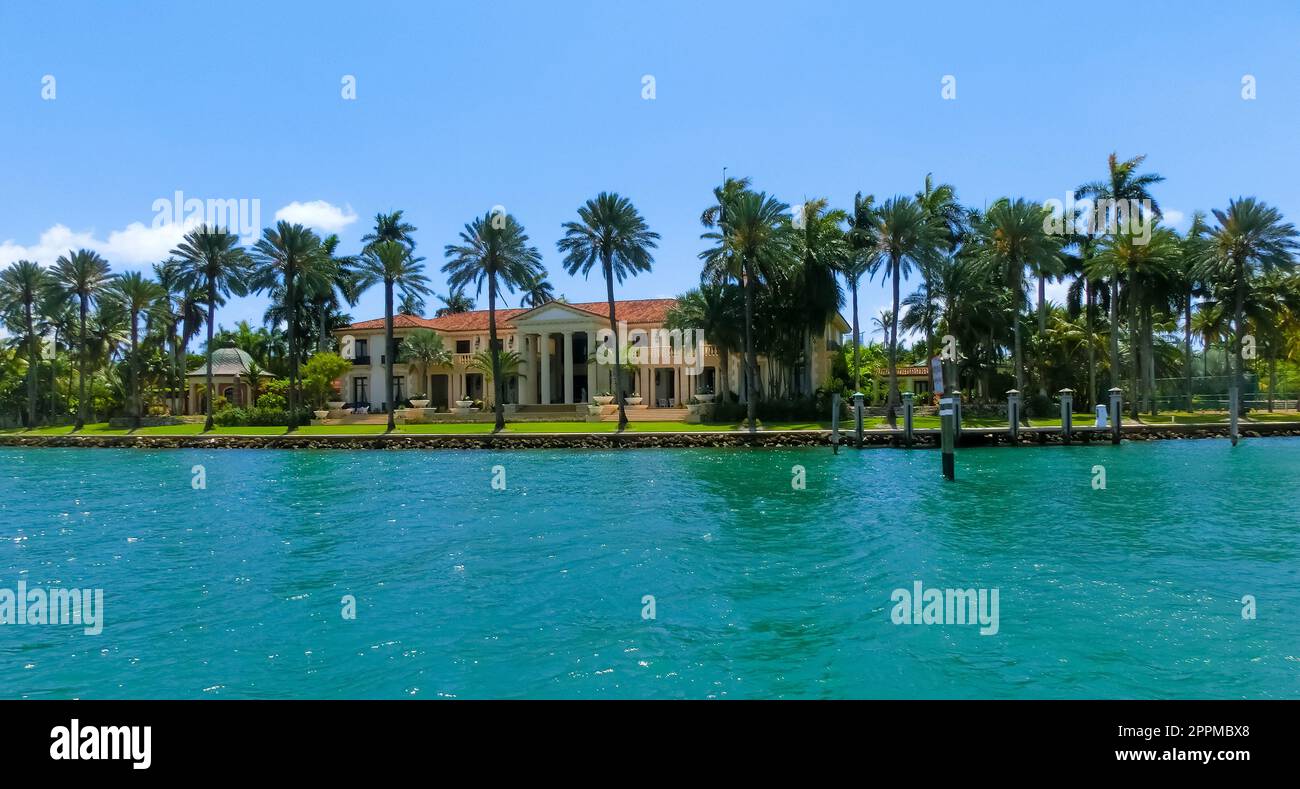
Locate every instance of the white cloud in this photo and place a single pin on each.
(134, 245)
(1172, 217)
(318, 215)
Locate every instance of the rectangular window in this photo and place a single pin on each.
(462, 346)
(362, 348)
(360, 390)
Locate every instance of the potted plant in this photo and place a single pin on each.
(704, 393)
(419, 401)
(321, 415)
(633, 399)
(693, 406)
(604, 398)
(464, 402)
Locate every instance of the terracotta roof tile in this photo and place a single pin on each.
(650, 311)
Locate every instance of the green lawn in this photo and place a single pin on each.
(1276, 416)
(482, 428)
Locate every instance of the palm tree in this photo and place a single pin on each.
(905, 237)
(1123, 183)
(137, 294)
(392, 263)
(454, 303)
(411, 304)
(718, 310)
(22, 286)
(1250, 241)
(609, 232)
(214, 262)
(1012, 237)
(425, 349)
(823, 251)
(1192, 250)
(84, 275)
(506, 363)
(283, 255)
(754, 241)
(496, 252)
(861, 239)
(332, 286)
(941, 207)
(537, 291)
(181, 312)
(391, 227)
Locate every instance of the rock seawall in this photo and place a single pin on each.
(782, 438)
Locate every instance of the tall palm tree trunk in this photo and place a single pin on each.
(293, 349)
(1272, 379)
(1187, 347)
(497, 406)
(1115, 372)
(857, 365)
(1092, 350)
(212, 315)
(388, 354)
(607, 264)
(33, 366)
(1134, 344)
(1239, 374)
(136, 404)
(892, 397)
(724, 379)
(751, 355)
(81, 368)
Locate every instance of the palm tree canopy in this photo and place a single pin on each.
(391, 227)
(610, 231)
(213, 255)
(454, 303)
(488, 249)
(392, 263)
(426, 347)
(82, 273)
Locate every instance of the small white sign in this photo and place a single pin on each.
(936, 374)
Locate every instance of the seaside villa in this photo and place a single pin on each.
(556, 343)
(231, 379)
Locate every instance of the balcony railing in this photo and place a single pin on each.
(361, 361)
(462, 359)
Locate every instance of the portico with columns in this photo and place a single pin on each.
(556, 345)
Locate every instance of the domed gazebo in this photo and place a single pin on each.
(231, 379)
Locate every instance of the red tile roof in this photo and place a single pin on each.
(650, 311)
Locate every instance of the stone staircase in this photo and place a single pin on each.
(643, 414)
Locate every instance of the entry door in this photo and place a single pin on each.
(439, 392)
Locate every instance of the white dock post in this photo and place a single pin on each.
(947, 431)
(1067, 414)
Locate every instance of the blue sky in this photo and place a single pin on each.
(538, 106)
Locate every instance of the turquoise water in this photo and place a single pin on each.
(760, 590)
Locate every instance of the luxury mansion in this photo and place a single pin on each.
(558, 359)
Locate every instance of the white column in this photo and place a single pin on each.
(568, 367)
(544, 347)
(527, 375)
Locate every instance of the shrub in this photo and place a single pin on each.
(319, 374)
(230, 417)
(1038, 406)
(273, 401)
